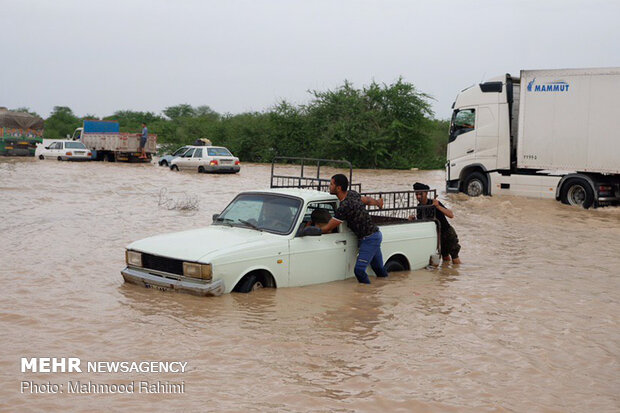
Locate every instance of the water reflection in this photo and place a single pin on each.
(529, 322)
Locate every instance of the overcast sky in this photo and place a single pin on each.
(246, 55)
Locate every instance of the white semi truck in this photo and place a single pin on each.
(546, 134)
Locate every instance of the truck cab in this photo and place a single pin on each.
(480, 135)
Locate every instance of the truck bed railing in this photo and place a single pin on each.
(301, 180)
(398, 206)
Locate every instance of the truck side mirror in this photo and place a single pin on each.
(311, 232)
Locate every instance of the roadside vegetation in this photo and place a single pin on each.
(376, 126)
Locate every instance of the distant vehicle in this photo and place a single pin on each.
(262, 240)
(63, 150)
(109, 144)
(207, 159)
(166, 159)
(19, 133)
(546, 134)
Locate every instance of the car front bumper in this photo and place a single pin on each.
(149, 280)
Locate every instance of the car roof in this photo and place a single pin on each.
(308, 195)
(205, 146)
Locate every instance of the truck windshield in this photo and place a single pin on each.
(271, 213)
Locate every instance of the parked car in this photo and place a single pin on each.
(207, 159)
(262, 239)
(167, 159)
(63, 150)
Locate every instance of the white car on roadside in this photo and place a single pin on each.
(206, 159)
(63, 150)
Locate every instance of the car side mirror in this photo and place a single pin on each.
(215, 217)
(311, 232)
(47, 147)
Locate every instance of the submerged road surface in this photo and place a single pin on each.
(529, 322)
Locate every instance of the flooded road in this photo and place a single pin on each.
(529, 322)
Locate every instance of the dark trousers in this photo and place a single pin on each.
(370, 253)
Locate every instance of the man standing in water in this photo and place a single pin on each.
(450, 246)
(352, 209)
(143, 139)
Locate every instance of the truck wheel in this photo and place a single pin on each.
(174, 168)
(577, 192)
(475, 184)
(41, 157)
(393, 265)
(201, 169)
(249, 284)
(109, 157)
(163, 163)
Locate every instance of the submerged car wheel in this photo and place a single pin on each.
(59, 158)
(201, 169)
(174, 168)
(163, 163)
(250, 283)
(393, 265)
(41, 157)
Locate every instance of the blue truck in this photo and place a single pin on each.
(108, 143)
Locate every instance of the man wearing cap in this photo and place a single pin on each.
(450, 246)
(353, 210)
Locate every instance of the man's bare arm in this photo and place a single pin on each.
(366, 200)
(329, 227)
(447, 212)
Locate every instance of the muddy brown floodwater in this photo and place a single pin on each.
(530, 322)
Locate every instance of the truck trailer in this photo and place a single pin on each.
(545, 134)
(108, 143)
(19, 133)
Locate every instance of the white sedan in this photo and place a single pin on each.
(63, 150)
(206, 159)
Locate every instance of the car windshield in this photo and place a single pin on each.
(272, 213)
(180, 151)
(218, 152)
(74, 145)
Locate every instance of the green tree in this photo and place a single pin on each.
(61, 122)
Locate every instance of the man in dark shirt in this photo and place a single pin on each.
(143, 138)
(450, 246)
(352, 209)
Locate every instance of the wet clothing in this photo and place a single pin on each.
(370, 253)
(449, 240)
(353, 210)
(450, 243)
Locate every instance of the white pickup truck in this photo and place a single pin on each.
(261, 240)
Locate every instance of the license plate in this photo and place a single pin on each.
(226, 162)
(157, 287)
(79, 152)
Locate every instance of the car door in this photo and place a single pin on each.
(318, 259)
(184, 162)
(56, 150)
(196, 158)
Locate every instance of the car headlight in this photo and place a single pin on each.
(191, 269)
(133, 258)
